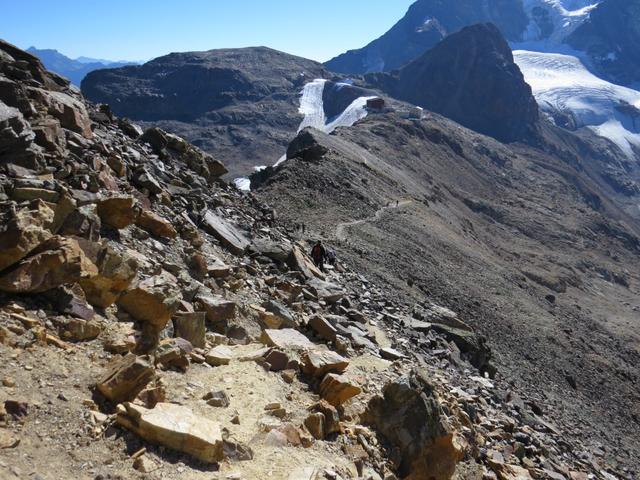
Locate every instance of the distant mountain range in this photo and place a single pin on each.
(73, 69)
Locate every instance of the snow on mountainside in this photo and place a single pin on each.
(312, 107)
(553, 20)
(562, 83)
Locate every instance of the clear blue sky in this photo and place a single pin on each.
(144, 29)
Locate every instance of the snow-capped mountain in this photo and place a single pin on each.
(579, 56)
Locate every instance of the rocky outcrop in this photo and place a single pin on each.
(610, 36)
(408, 415)
(471, 78)
(425, 24)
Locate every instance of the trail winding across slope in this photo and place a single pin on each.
(341, 227)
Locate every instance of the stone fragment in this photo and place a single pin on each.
(116, 271)
(217, 309)
(327, 291)
(172, 353)
(153, 300)
(191, 327)
(125, 377)
(71, 113)
(118, 212)
(337, 389)
(473, 346)
(331, 416)
(77, 330)
(220, 355)
(175, 427)
(286, 338)
(56, 262)
(277, 315)
(225, 232)
(82, 222)
(317, 363)
(392, 354)
(26, 230)
(323, 328)
(144, 464)
(302, 263)
(156, 225)
(277, 360)
(217, 398)
(506, 471)
(275, 438)
(315, 425)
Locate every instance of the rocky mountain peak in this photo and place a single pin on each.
(471, 78)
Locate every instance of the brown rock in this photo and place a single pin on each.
(337, 389)
(118, 212)
(172, 353)
(156, 225)
(77, 330)
(125, 377)
(410, 418)
(83, 222)
(225, 232)
(220, 355)
(287, 338)
(153, 300)
(144, 464)
(277, 360)
(323, 328)
(22, 194)
(28, 229)
(218, 309)
(315, 424)
(191, 327)
(56, 262)
(302, 263)
(116, 271)
(175, 427)
(71, 113)
(317, 363)
(331, 416)
(217, 398)
(505, 471)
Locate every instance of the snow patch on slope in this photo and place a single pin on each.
(312, 107)
(565, 16)
(562, 83)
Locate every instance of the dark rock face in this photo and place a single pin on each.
(611, 37)
(471, 78)
(240, 103)
(426, 23)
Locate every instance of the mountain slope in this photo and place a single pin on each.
(424, 25)
(469, 77)
(528, 246)
(241, 103)
(74, 70)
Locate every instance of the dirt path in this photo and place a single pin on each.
(341, 228)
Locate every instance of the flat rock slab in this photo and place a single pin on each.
(285, 338)
(226, 233)
(327, 291)
(337, 389)
(175, 427)
(317, 363)
(125, 377)
(220, 355)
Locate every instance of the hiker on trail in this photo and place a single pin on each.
(331, 257)
(318, 254)
(397, 203)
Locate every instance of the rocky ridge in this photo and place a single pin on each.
(156, 320)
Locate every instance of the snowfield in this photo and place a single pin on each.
(312, 107)
(562, 82)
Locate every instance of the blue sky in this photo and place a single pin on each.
(144, 29)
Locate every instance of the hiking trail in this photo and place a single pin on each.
(341, 227)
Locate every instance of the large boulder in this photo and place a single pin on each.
(27, 229)
(175, 427)
(153, 300)
(410, 418)
(58, 261)
(125, 377)
(156, 225)
(118, 211)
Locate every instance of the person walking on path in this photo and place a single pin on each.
(318, 254)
